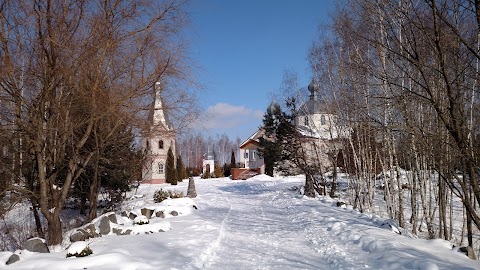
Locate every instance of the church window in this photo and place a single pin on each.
(322, 120)
(161, 168)
(160, 144)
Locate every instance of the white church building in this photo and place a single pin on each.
(317, 124)
(321, 130)
(157, 138)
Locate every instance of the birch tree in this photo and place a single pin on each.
(415, 65)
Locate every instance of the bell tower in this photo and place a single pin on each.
(158, 137)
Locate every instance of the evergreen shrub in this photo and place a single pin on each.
(85, 252)
(161, 195)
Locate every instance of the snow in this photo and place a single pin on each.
(183, 206)
(260, 223)
(158, 226)
(141, 219)
(308, 132)
(77, 247)
(38, 238)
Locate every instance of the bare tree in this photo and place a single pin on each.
(409, 71)
(66, 66)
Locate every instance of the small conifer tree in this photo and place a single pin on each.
(171, 175)
(226, 170)
(218, 171)
(206, 174)
(181, 171)
(233, 163)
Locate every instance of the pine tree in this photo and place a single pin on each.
(271, 153)
(113, 168)
(171, 175)
(233, 163)
(271, 150)
(226, 170)
(181, 171)
(282, 145)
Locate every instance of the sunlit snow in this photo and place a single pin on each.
(77, 247)
(261, 223)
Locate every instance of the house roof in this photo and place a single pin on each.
(253, 142)
(254, 138)
(313, 106)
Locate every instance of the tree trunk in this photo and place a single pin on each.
(55, 232)
(38, 223)
(83, 202)
(309, 187)
(94, 189)
(414, 187)
(469, 229)
(333, 189)
(442, 209)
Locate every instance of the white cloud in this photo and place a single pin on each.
(224, 115)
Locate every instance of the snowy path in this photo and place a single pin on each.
(266, 227)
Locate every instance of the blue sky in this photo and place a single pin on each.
(243, 49)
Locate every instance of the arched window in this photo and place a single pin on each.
(322, 120)
(160, 144)
(161, 168)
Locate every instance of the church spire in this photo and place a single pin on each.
(159, 116)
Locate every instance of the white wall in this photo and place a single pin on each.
(249, 157)
(210, 162)
(156, 155)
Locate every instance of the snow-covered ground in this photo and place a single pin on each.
(261, 223)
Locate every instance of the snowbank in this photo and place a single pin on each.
(260, 223)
